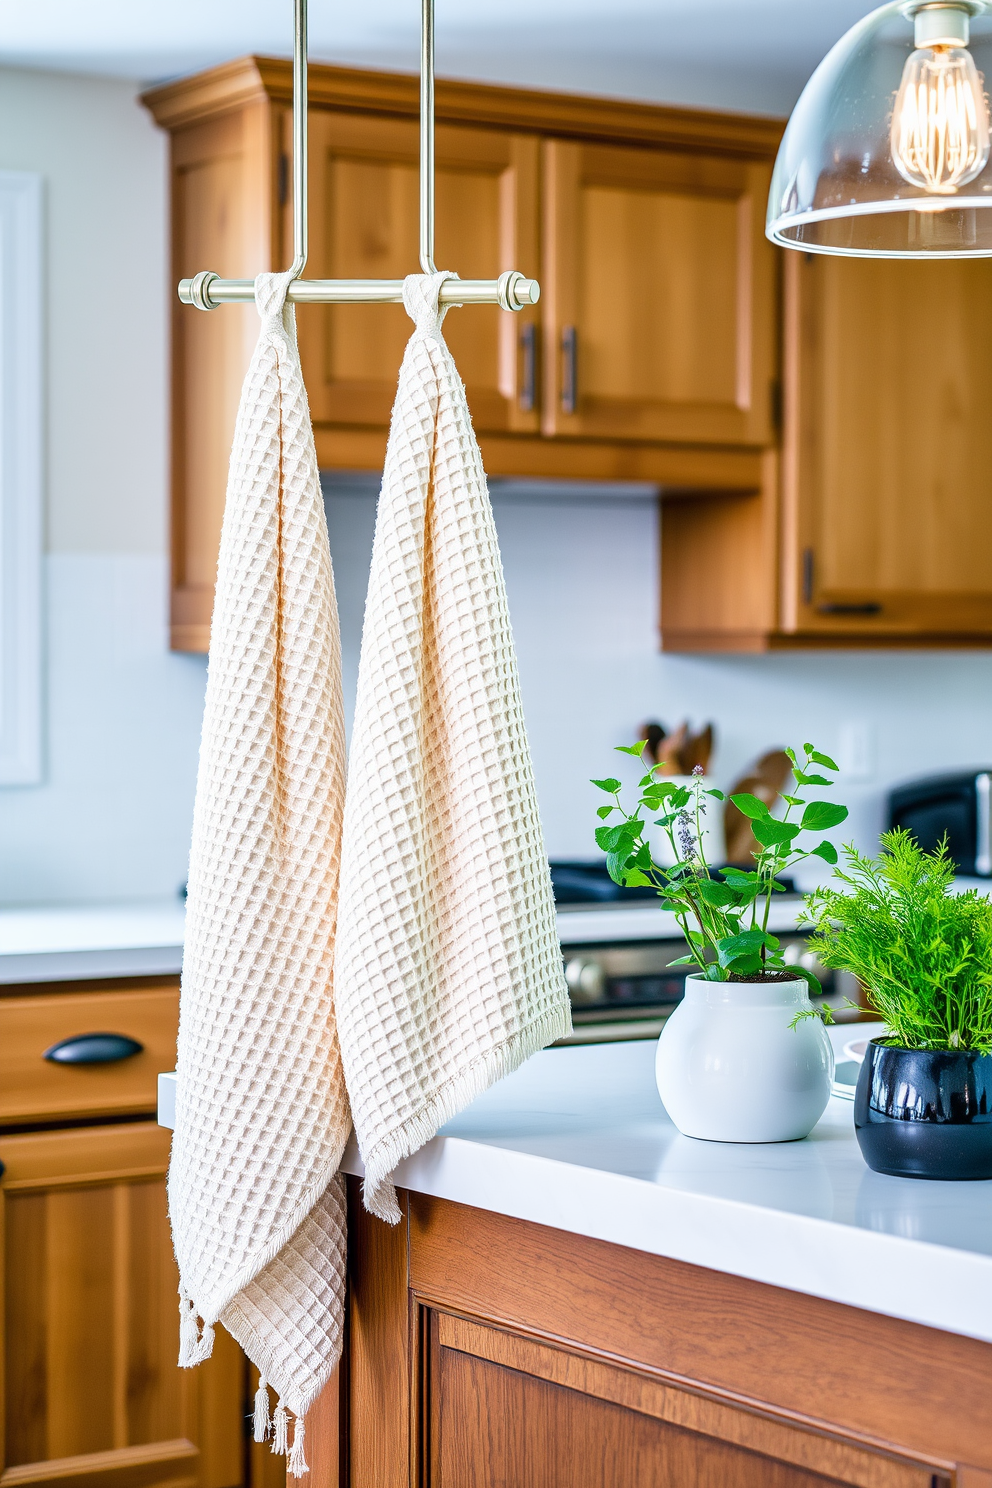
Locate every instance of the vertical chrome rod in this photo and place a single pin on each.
(300, 103)
(426, 136)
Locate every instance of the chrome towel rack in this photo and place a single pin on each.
(511, 291)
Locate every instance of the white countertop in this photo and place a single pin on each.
(141, 937)
(578, 1140)
(144, 937)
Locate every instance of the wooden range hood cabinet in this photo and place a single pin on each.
(824, 463)
(601, 200)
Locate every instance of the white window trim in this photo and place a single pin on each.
(21, 465)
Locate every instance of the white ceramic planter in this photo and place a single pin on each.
(730, 1068)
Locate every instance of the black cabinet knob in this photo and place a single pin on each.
(94, 1048)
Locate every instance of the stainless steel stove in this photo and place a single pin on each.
(618, 946)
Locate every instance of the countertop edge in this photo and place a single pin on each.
(870, 1270)
(949, 1289)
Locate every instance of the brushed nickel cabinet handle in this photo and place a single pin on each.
(569, 371)
(528, 378)
(807, 576)
(868, 607)
(94, 1048)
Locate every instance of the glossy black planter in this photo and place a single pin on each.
(925, 1114)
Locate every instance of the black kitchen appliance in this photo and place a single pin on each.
(953, 806)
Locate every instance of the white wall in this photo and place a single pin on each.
(111, 816)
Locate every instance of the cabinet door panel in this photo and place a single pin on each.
(656, 265)
(91, 1326)
(498, 1429)
(222, 220)
(364, 216)
(508, 1409)
(889, 452)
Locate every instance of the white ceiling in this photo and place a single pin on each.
(745, 54)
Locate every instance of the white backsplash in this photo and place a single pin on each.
(111, 817)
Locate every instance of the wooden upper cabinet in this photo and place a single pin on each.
(888, 472)
(223, 219)
(364, 215)
(659, 296)
(643, 225)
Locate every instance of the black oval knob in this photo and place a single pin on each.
(94, 1048)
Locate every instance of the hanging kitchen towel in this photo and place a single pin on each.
(448, 969)
(261, 1111)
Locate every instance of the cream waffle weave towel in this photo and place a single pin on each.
(261, 1111)
(448, 969)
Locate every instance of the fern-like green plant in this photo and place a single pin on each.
(922, 952)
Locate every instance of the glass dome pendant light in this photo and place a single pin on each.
(887, 151)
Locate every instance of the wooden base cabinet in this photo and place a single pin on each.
(489, 1353)
(91, 1393)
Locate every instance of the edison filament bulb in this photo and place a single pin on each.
(940, 122)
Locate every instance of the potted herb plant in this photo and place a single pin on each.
(743, 1058)
(923, 1107)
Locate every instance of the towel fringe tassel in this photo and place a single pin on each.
(262, 1423)
(297, 1464)
(194, 1346)
(280, 1430)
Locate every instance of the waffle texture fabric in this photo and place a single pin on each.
(448, 970)
(262, 1116)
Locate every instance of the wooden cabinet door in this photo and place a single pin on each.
(364, 219)
(888, 469)
(658, 296)
(507, 1410)
(92, 1393)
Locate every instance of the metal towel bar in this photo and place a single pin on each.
(511, 291)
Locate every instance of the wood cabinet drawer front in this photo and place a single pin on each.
(33, 1088)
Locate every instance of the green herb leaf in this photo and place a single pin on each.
(826, 851)
(809, 977)
(823, 759)
(716, 794)
(773, 833)
(720, 895)
(635, 749)
(611, 838)
(791, 754)
(737, 947)
(750, 806)
(603, 811)
(820, 816)
(803, 779)
(636, 879)
(616, 864)
(609, 785)
(683, 961)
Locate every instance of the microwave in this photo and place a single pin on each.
(956, 806)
